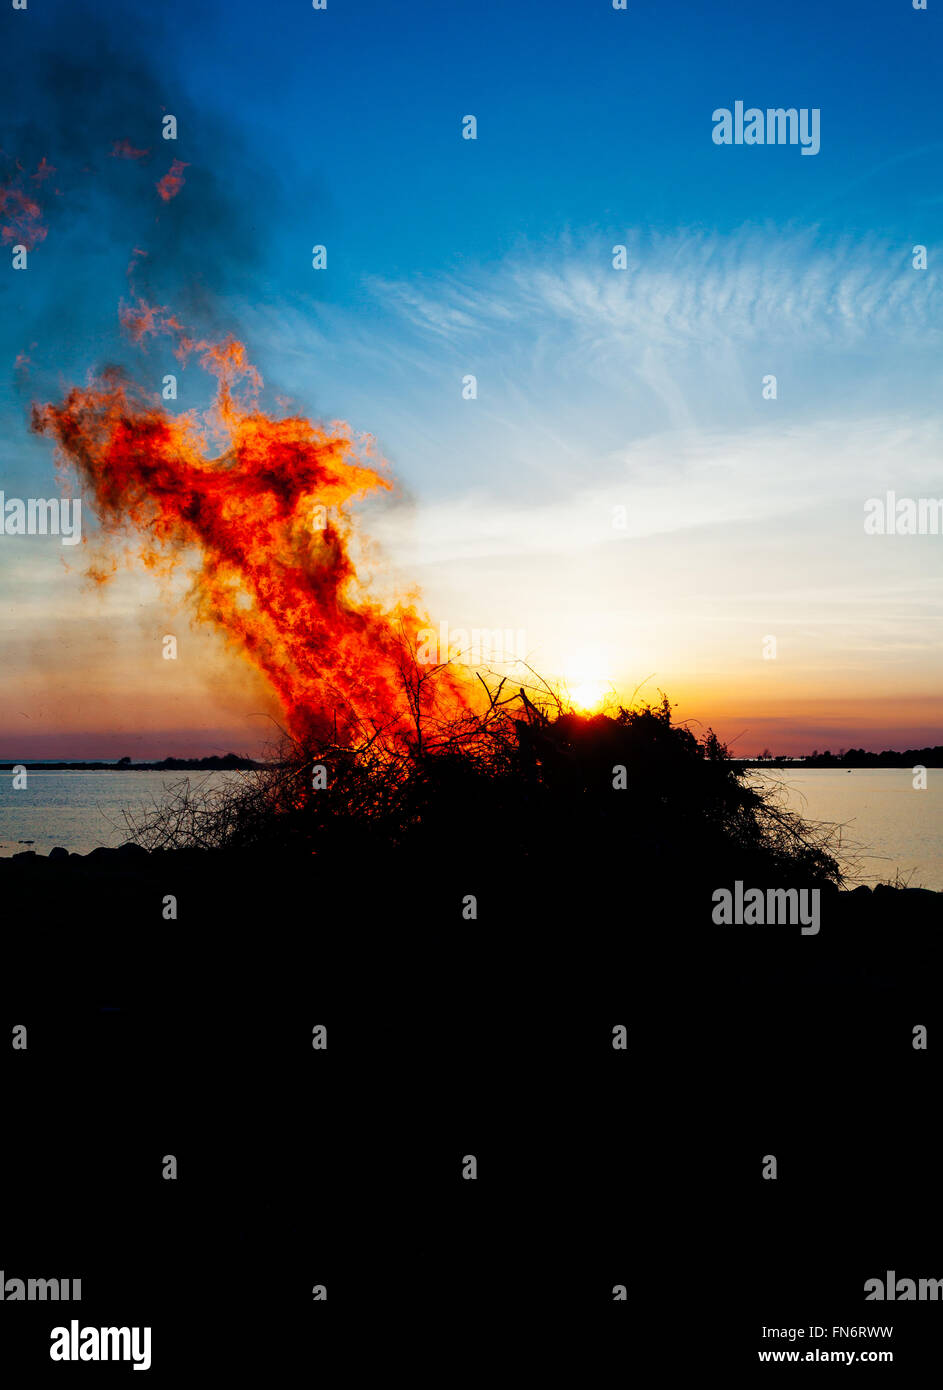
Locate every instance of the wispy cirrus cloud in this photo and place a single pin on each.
(576, 361)
(687, 288)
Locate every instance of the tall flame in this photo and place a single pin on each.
(265, 530)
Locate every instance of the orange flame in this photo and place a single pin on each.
(170, 185)
(264, 529)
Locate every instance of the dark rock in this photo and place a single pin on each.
(58, 853)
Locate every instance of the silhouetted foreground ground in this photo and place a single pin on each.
(492, 1035)
(570, 914)
(517, 841)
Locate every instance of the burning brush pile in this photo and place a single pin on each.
(522, 785)
(380, 752)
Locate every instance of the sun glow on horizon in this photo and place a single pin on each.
(587, 685)
(589, 696)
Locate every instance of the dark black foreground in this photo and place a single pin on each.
(450, 1037)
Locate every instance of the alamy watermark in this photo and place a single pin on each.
(42, 516)
(472, 647)
(903, 1290)
(40, 1290)
(777, 125)
(74, 1343)
(891, 515)
(776, 907)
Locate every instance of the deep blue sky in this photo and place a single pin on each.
(587, 116)
(342, 127)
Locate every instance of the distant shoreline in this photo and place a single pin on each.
(855, 757)
(230, 762)
(233, 762)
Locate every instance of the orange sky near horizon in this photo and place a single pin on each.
(100, 688)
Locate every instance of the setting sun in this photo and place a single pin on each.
(588, 696)
(588, 687)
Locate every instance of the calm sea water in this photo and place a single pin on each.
(888, 828)
(82, 810)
